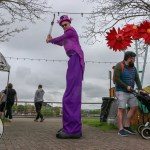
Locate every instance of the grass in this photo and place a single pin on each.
(95, 122)
(104, 126)
(5, 120)
(134, 127)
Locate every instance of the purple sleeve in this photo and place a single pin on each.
(60, 40)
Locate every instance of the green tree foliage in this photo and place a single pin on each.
(20, 109)
(57, 111)
(48, 111)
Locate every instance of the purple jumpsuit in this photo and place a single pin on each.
(72, 96)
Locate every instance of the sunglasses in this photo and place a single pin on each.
(64, 25)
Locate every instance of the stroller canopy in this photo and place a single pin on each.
(144, 101)
(147, 89)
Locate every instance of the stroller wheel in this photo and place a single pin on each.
(145, 133)
(140, 127)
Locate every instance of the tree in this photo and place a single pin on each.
(14, 109)
(56, 110)
(108, 13)
(16, 11)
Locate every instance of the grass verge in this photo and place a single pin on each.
(95, 122)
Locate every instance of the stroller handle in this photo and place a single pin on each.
(134, 92)
(137, 93)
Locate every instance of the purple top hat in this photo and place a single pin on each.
(64, 18)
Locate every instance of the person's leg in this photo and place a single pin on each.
(120, 118)
(37, 107)
(72, 97)
(2, 106)
(39, 111)
(6, 114)
(7, 110)
(10, 110)
(122, 98)
(132, 103)
(130, 115)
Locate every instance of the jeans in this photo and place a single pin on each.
(38, 106)
(9, 109)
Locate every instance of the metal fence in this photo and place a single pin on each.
(32, 113)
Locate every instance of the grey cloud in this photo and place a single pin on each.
(23, 72)
(27, 74)
(94, 90)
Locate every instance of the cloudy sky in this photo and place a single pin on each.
(26, 74)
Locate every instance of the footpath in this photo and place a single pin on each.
(25, 134)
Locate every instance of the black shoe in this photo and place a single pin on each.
(36, 120)
(63, 135)
(129, 130)
(42, 120)
(60, 130)
(122, 132)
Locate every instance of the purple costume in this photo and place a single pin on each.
(72, 96)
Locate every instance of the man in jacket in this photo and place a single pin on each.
(125, 80)
(38, 100)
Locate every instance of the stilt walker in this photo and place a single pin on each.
(72, 126)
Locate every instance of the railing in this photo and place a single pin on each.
(57, 102)
(51, 104)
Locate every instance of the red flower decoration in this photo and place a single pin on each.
(118, 41)
(144, 30)
(131, 30)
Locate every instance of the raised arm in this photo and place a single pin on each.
(60, 40)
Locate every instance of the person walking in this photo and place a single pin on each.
(72, 126)
(125, 77)
(2, 102)
(38, 100)
(11, 97)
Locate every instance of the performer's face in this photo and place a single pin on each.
(131, 61)
(65, 25)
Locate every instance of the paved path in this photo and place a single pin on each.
(25, 134)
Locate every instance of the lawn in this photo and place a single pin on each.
(95, 122)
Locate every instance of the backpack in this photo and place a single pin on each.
(122, 69)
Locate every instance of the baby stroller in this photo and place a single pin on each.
(144, 99)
